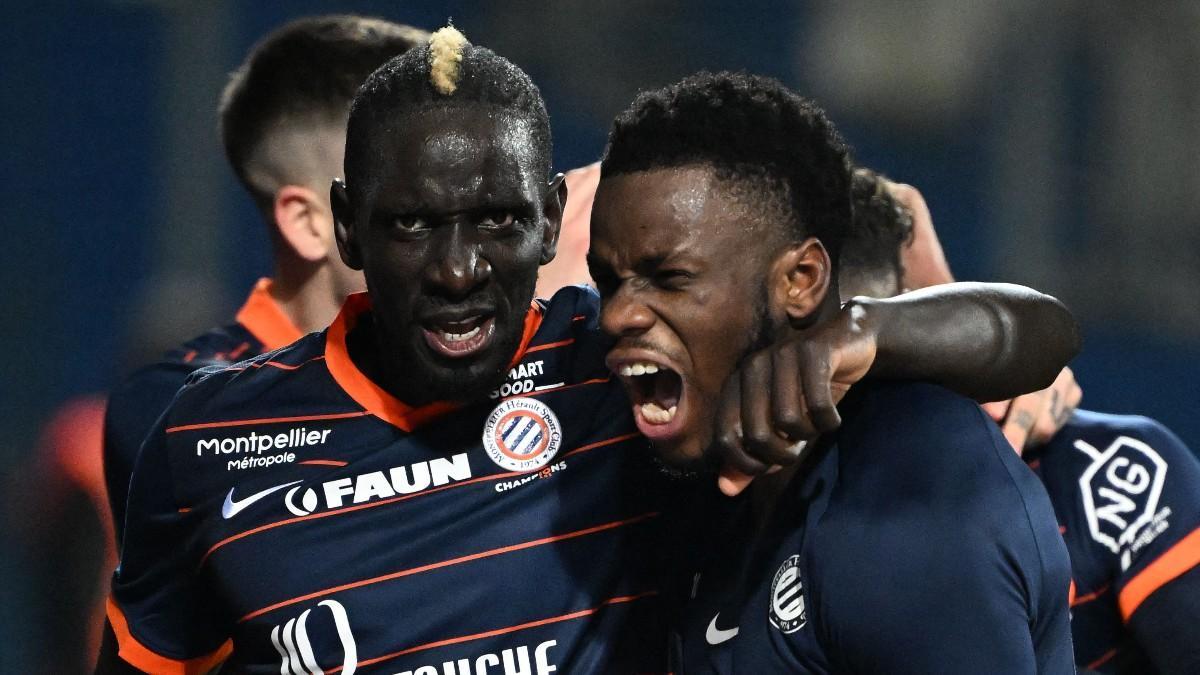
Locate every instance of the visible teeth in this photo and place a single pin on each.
(654, 414)
(636, 369)
(459, 337)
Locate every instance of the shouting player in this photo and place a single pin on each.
(913, 540)
(283, 124)
(447, 479)
(1125, 489)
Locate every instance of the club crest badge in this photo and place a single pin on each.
(522, 434)
(787, 597)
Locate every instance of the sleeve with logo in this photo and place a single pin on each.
(1159, 590)
(164, 618)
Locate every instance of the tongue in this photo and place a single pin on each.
(666, 389)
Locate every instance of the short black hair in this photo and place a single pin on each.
(881, 226)
(404, 86)
(302, 75)
(748, 128)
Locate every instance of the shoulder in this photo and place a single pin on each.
(920, 463)
(275, 384)
(1104, 432)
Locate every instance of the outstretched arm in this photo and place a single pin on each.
(985, 341)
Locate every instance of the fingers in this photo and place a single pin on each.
(1060, 402)
(788, 405)
(1022, 414)
(727, 436)
(996, 410)
(817, 382)
(731, 482)
(761, 436)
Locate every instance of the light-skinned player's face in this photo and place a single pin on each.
(453, 223)
(680, 264)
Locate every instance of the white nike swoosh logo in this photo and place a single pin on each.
(231, 508)
(715, 636)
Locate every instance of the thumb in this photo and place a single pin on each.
(731, 481)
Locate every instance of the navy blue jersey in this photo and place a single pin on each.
(1127, 495)
(136, 404)
(291, 516)
(914, 541)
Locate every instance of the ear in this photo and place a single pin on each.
(552, 209)
(800, 278)
(302, 220)
(344, 224)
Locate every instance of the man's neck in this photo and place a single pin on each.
(309, 298)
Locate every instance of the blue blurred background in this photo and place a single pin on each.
(1057, 143)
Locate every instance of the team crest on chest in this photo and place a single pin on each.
(522, 434)
(787, 597)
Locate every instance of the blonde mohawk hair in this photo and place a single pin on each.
(446, 47)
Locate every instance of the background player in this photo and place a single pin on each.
(1125, 489)
(282, 120)
(913, 540)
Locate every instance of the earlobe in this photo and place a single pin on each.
(343, 225)
(801, 278)
(552, 209)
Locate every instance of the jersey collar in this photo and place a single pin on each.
(265, 320)
(371, 396)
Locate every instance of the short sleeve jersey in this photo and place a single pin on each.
(914, 541)
(135, 405)
(1127, 495)
(291, 516)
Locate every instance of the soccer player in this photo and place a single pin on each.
(447, 479)
(1125, 489)
(283, 120)
(913, 540)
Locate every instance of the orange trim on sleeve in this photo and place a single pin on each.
(371, 396)
(265, 319)
(1178, 559)
(141, 657)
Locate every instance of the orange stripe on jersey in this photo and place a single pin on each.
(1178, 559)
(278, 364)
(143, 658)
(187, 358)
(1087, 597)
(265, 319)
(266, 420)
(323, 462)
(502, 631)
(401, 498)
(1104, 658)
(550, 345)
(453, 561)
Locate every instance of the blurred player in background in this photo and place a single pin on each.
(282, 122)
(1125, 489)
(912, 540)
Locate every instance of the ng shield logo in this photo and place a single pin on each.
(1121, 491)
(295, 648)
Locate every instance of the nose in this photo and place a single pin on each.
(623, 315)
(458, 269)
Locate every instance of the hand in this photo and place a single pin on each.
(923, 259)
(1032, 419)
(787, 394)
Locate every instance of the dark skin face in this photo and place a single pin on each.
(692, 277)
(449, 229)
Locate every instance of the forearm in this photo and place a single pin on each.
(986, 341)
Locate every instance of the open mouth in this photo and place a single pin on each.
(657, 393)
(459, 338)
